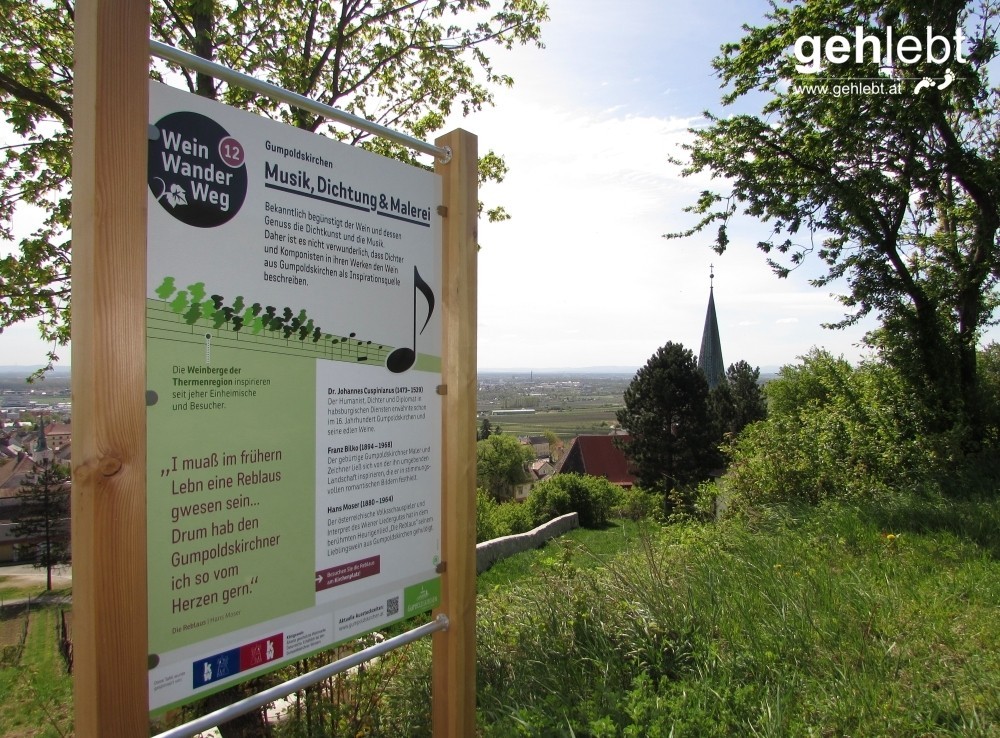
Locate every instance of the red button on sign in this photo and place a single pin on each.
(231, 152)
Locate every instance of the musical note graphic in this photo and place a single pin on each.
(352, 347)
(404, 357)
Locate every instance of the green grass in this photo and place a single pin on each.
(580, 548)
(879, 620)
(822, 622)
(36, 695)
(11, 591)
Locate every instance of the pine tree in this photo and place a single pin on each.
(739, 400)
(485, 430)
(43, 517)
(672, 437)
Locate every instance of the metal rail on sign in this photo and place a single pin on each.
(191, 61)
(257, 701)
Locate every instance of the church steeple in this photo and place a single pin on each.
(41, 444)
(710, 357)
(42, 452)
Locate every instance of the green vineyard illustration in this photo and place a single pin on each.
(191, 315)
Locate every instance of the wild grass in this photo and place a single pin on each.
(581, 548)
(877, 620)
(818, 621)
(863, 620)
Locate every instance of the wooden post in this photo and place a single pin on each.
(454, 669)
(110, 112)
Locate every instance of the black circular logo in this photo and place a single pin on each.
(196, 170)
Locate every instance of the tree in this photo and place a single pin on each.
(500, 465)
(672, 439)
(406, 64)
(554, 444)
(989, 391)
(896, 191)
(43, 517)
(485, 430)
(739, 400)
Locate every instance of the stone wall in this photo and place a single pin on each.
(490, 552)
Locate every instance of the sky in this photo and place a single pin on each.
(581, 275)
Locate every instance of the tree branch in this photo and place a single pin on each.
(36, 97)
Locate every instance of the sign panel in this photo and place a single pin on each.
(293, 423)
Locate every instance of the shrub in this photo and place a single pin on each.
(496, 519)
(548, 501)
(638, 504)
(836, 431)
(592, 498)
(512, 517)
(485, 512)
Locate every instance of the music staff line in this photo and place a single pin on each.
(164, 324)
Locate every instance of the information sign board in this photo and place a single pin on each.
(293, 424)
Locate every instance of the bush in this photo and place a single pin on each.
(592, 498)
(547, 501)
(485, 511)
(638, 504)
(834, 431)
(496, 519)
(512, 517)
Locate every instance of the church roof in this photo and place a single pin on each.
(710, 357)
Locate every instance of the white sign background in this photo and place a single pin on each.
(374, 225)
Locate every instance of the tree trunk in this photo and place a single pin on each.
(203, 22)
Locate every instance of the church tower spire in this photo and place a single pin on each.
(42, 452)
(710, 357)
